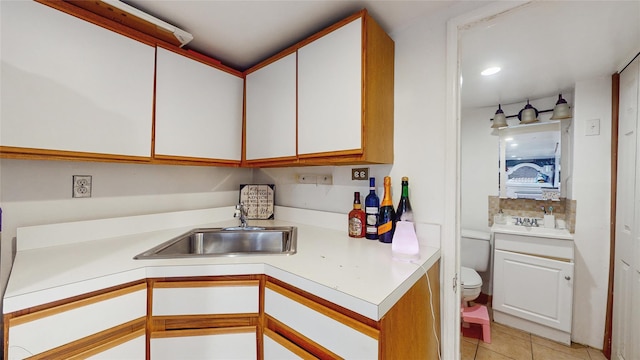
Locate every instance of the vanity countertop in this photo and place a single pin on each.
(58, 261)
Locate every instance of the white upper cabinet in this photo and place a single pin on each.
(69, 85)
(198, 109)
(271, 110)
(330, 91)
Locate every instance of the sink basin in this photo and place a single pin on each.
(227, 242)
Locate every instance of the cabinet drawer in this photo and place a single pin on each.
(535, 245)
(133, 347)
(47, 329)
(337, 333)
(205, 297)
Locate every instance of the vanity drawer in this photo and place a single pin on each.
(205, 297)
(534, 245)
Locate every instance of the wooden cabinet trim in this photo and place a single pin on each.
(12, 152)
(203, 59)
(346, 320)
(288, 344)
(182, 322)
(295, 337)
(205, 283)
(73, 304)
(96, 343)
(108, 345)
(201, 332)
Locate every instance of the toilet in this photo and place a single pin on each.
(475, 252)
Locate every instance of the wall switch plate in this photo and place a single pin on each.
(360, 174)
(592, 127)
(81, 186)
(307, 179)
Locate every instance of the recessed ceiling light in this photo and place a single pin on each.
(490, 71)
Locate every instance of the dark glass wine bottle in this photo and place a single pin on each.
(387, 217)
(372, 209)
(404, 211)
(357, 223)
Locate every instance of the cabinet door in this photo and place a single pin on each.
(198, 109)
(330, 92)
(320, 324)
(534, 288)
(277, 347)
(271, 110)
(69, 85)
(205, 344)
(40, 331)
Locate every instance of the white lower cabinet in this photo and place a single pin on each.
(339, 335)
(84, 322)
(205, 344)
(205, 319)
(533, 290)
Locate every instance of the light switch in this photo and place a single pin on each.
(592, 127)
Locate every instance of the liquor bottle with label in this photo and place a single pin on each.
(387, 217)
(372, 208)
(357, 222)
(404, 212)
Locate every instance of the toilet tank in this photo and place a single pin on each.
(475, 249)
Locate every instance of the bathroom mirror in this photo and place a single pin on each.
(530, 161)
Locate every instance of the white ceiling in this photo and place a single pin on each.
(242, 33)
(543, 48)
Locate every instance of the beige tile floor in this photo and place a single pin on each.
(509, 343)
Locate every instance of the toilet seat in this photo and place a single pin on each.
(469, 278)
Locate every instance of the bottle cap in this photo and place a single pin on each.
(405, 178)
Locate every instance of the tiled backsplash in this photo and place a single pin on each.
(565, 209)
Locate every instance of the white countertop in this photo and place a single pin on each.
(58, 261)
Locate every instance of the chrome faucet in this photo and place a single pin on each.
(241, 212)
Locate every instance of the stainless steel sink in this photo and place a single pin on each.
(227, 242)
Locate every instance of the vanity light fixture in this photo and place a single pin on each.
(561, 111)
(490, 71)
(528, 114)
(499, 120)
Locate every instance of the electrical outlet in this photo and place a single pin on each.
(81, 186)
(360, 174)
(307, 179)
(325, 179)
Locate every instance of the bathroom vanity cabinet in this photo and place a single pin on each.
(533, 282)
